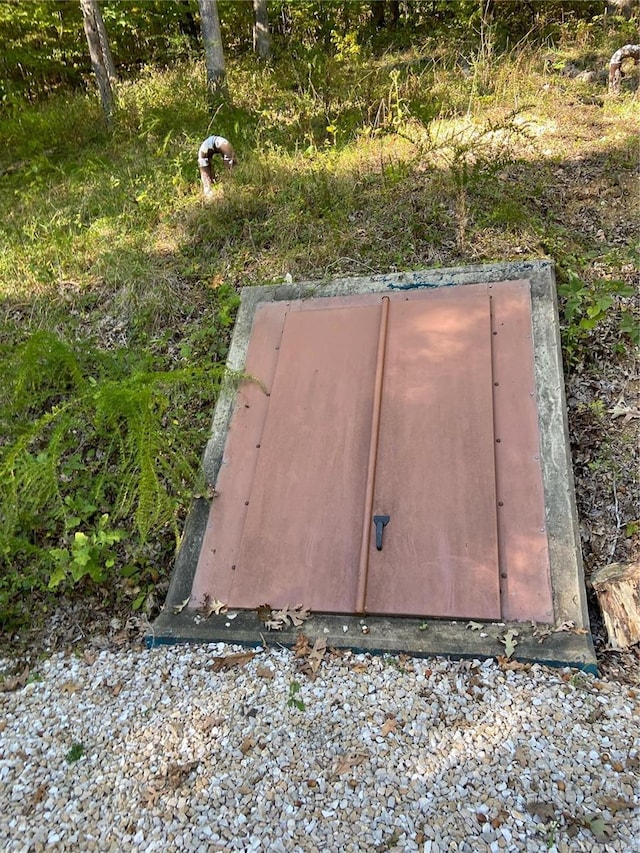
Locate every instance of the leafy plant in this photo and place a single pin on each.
(586, 305)
(90, 554)
(75, 753)
(294, 701)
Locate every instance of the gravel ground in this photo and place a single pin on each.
(175, 749)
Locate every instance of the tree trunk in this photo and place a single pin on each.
(90, 15)
(621, 7)
(104, 45)
(213, 53)
(261, 38)
(377, 13)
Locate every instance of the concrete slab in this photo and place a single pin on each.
(413, 636)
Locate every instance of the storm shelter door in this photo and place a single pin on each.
(362, 408)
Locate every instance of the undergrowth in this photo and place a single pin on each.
(118, 286)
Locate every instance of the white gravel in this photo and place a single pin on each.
(376, 753)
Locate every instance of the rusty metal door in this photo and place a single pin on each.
(384, 406)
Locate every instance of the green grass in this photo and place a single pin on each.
(118, 286)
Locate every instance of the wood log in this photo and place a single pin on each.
(617, 587)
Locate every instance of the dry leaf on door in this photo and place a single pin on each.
(509, 641)
(294, 616)
(212, 605)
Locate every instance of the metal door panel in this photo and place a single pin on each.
(435, 473)
(298, 544)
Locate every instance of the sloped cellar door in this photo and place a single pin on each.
(383, 457)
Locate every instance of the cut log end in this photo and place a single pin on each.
(617, 588)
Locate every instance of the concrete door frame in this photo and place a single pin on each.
(414, 636)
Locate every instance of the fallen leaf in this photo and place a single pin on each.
(294, 616)
(598, 827)
(37, 797)
(569, 627)
(12, 683)
(621, 409)
(116, 689)
(177, 773)
(231, 661)
(614, 804)
(346, 762)
(70, 687)
(265, 672)
(178, 608)
(212, 606)
(388, 726)
(173, 778)
(509, 641)
(507, 664)
(210, 722)
(89, 657)
(633, 763)
(151, 794)
(521, 756)
(314, 658)
(544, 811)
(474, 626)
(301, 647)
(359, 667)
(542, 632)
(264, 612)
(247, 744)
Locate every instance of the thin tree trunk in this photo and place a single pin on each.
(212, 38)
(261, 37)
(104, 44)
(377, 13)
(96, 53)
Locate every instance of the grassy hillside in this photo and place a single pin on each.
(118, 285)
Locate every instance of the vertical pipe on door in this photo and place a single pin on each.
(373, 453)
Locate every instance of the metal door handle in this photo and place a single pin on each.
(380, 522)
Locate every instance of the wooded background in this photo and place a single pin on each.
(44, 48)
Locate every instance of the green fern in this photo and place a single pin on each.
(43, 372)
(76, 447)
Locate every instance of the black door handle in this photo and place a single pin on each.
(380, 522)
